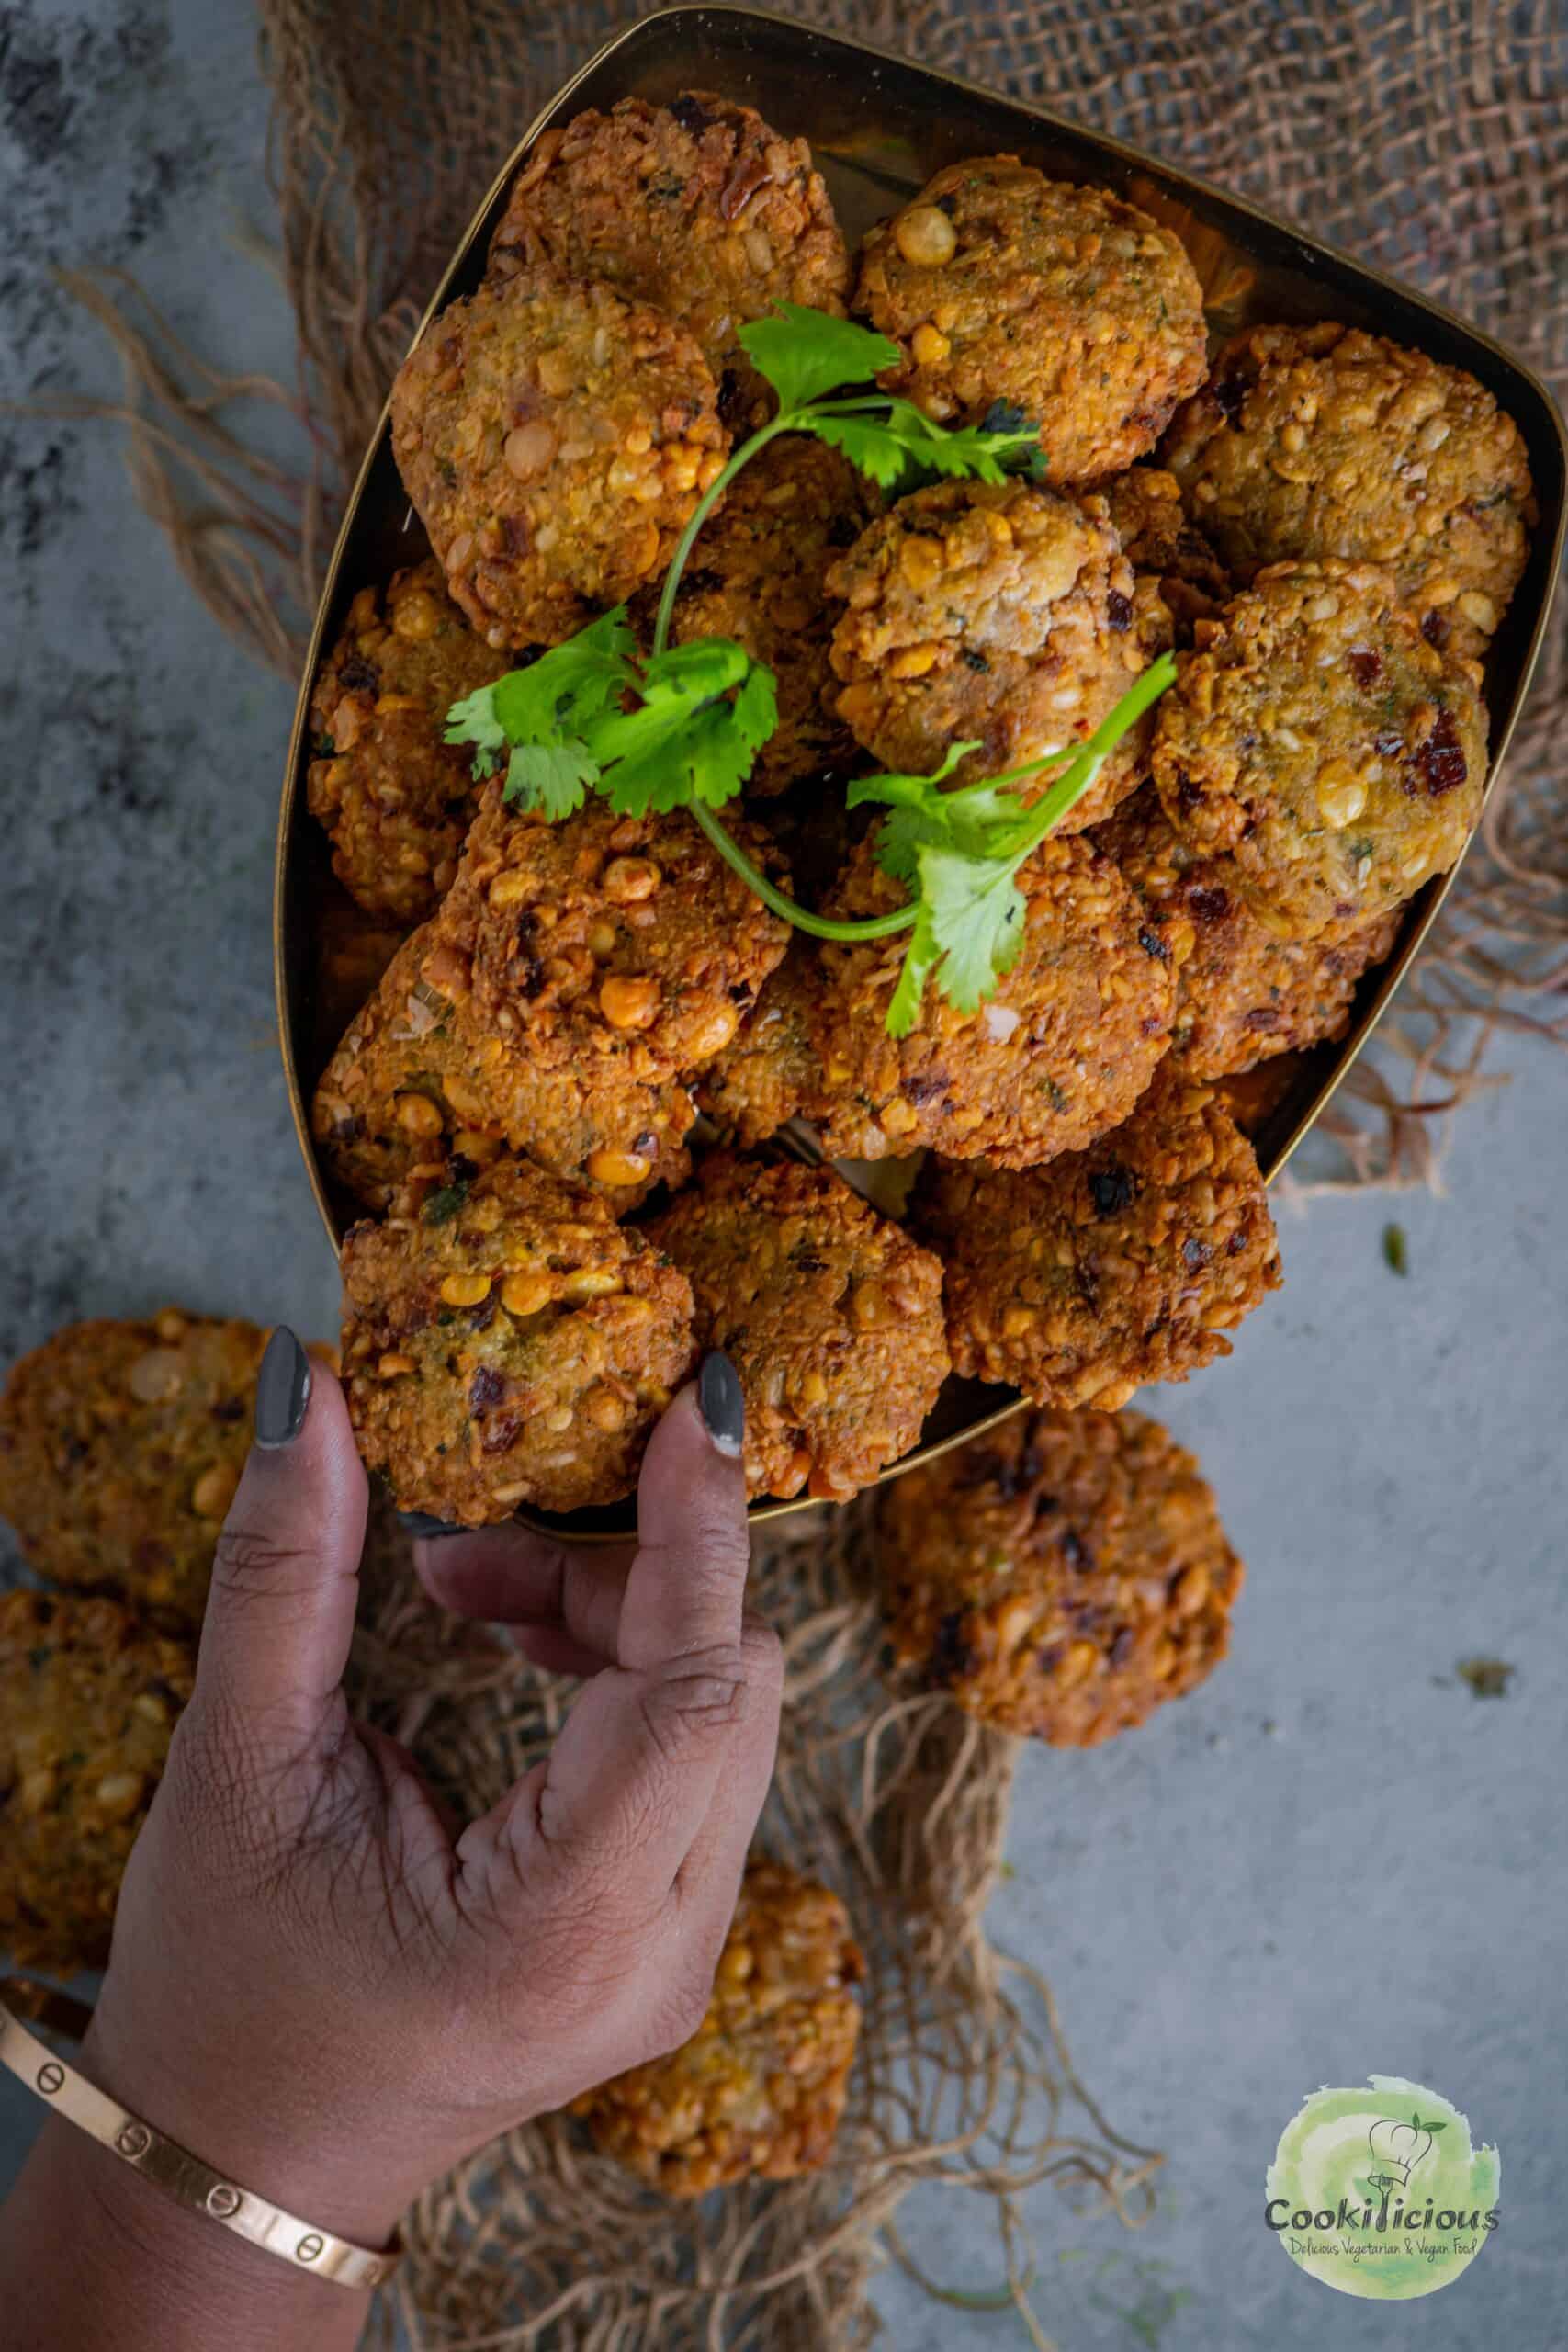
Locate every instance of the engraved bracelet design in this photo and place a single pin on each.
(174, 2170)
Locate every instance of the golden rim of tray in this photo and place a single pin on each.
(693, 47)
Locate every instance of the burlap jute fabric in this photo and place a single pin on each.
(1432, 139)
(899, 1803)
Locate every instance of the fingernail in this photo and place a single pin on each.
(283, 1391)
(424, 1528)
(722, 1404)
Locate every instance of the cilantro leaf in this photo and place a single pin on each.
(474, 720)
(975, 911)
(898, 791)
(900, 840)
(688, 739)
(902, 448)
(552, 777)
(985, 819)
(559, 694)
(804, 354)
(704, 667)
(920, 958)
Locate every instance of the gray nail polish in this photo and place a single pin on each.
(722, 1404)
(424, 1528)
(283, 1391)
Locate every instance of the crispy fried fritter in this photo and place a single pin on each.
(1126, 1263)
(394, 794)
(757, 2092)
(1316, 737)
(1060, 1052)
(1061, 304)
(353, 950)
(1162, 543)
(513, 1345)
(121, 1448)
(88, 1697)
(1241, 993)
(621, 944)
(771, 1071)
(757, 575)
(418, 1083)
(1254, 1097)
(999, 614)
(1062, 1577)
(1314, 441)
(831, 1314)
(555, 439)
(697, 207)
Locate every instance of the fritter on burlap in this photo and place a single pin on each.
(899, 1803)
(1431, 138)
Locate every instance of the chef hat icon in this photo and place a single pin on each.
(1400, 2148)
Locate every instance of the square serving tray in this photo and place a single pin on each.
(879, 126)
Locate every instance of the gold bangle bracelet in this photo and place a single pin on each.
(183, 2176)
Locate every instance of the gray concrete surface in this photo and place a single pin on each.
(1332, 1861)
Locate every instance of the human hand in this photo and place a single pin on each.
(316, 1984)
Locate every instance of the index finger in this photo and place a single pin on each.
(632, 1777)
(685, 1590)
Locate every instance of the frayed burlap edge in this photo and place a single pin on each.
(896, 1801)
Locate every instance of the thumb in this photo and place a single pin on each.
(286, 1573)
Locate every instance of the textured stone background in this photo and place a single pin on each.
(1334, 1861)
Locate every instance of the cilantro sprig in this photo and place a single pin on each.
(681, 728)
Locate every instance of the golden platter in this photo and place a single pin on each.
(879, 127)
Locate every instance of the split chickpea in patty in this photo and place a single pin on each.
(1061, 1577)
(121, 1444)
(511, 1346)
(759, 2090)
(830, 1314)
(620, 944)
(555, 438)
(89, 1696)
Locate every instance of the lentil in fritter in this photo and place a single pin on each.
(419, 1082)
(999, 614)
(697, 207)
(1163, 544)
(555, 439)
(1057, 305)
(759, 2090)
(515, 1346)
(1315, 737)
(88, 1697)
(830, 1314)
(758, 574)
(1062, 1577)
(622, 944)
(1241, 994)
(121, 1448)
(1126, 1263)
(1061, 1051)
(394, 794)
(1315, 441)
(770, 1071)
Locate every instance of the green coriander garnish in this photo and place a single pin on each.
(682, 728)
(445, 1201)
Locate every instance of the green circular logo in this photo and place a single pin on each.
(1380, 2193)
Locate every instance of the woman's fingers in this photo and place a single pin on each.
(509, 1576)
(632, 1777)
(285, 1578)
(687, 1582)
